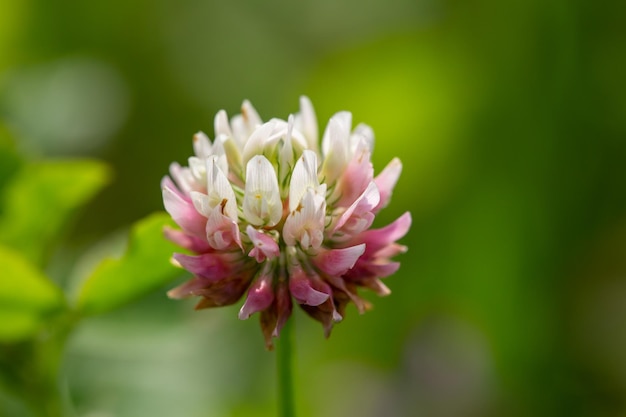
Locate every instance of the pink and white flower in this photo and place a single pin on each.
(263, 209)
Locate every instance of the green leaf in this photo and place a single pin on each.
(27, 297)
(144, 267)
(40, 199)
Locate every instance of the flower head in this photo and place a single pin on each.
(263, 209)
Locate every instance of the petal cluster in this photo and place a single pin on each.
(263, 210)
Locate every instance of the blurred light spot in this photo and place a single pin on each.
(66, 107)
(348, 389)
(449, 371)
(601, 322)
(418, 91)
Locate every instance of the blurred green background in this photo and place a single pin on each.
(509, 117)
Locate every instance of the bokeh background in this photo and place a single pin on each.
(510, 118)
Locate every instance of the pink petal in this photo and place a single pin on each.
(224, 292)
(221, 231)
(186, 241)
(264, 246)
(283, 307)
(274, 318)
(302, 290)
(325, 313)
(356, 225)
(260, 297)
(377, 239)
(340, 284)
(211, 266)
(356, 177)
(372, 269)
(166, 182)
(336, 262)
(386, 181)
(363, 204)
(184, 213)
(390, 251)
(187, 289)
(378, 287)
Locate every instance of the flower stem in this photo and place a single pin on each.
(285, 378)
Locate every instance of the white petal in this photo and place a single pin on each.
(305, 225)
(306, 122)
(286, 154)
(240, 130)
(336, 150)
(219, 190)
(250, 115)
(183, 178)
(198, 169)
(261, 203)
(257, 141)
(228, 148)
(201, 145)
(221, 125)
(233, 156)
(201, 203)
(220, 152)
(366, 132)
(339, 126)
(304, 176)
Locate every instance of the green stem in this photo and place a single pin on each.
(285, 378)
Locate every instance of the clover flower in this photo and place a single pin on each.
(263, 209)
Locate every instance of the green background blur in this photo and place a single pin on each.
(509, 117)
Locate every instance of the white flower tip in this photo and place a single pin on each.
(221, 124)
(177, 264)
(396, 164)
(305, 102)
(250, 115)
(336, 316)
(243, 315)
(367, 133)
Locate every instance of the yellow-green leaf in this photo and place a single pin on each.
(143, 268)
(40, 198)
(27, 297)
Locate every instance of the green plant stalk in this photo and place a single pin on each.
(284, 356)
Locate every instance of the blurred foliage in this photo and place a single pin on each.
(144, 267)
(510, 121)
(26, 299)
(37, 200)
(41, 197)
